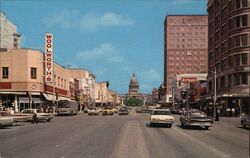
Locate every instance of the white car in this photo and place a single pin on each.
(161, 117)
(41, 116)
(6, 121)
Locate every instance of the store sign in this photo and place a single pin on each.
(48, 57)
(189, 80)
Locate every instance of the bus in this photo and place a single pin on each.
(67, 107)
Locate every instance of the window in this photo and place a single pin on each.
(244, 59)
(229, 80)
(241, 3)
(244, 39)
(241, 78)
(222, 82)
(244, 20)
(33, 73)
(5, 72)
(241, 21)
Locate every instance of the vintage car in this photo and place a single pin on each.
(108, 111)
(161, 117)
(6, 121)
(176, 110)
(123, 111)
(244, 120)
(93, 112)
(41, 116)
(195, 118)
(141, 109)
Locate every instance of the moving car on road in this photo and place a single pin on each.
(195, 118)
(108, 111)
(6, 121)
(123, 111)
(93, 112)
(161, 116)
(41, 116)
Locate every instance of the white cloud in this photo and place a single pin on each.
(103, 51)
(94, 21)
(64, 19)
(87, 22)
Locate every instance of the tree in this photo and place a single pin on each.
(133, 101)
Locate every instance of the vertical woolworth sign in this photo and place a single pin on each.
(48, 57)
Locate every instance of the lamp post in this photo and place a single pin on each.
(215, 96)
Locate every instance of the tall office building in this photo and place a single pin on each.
(9, 38)
(229, 52)
(185, 47)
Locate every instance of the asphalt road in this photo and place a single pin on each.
(84, 136)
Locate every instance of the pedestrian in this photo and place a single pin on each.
(217, 114)
(34, 118)
(233, 112)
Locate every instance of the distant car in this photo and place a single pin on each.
(93, 112)
(161, 117)
(195, 118)
(123, 111)
(245, 122)
(176, 110)
(6, 121)
(108, 111)
(41, 116)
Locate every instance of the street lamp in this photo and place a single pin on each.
(215, 96)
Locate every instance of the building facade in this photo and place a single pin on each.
(9, 37)
(229, 52)
(185, 47)
(22, 81)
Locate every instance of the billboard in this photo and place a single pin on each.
(48, 57)
(188, 79)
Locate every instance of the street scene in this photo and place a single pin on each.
(122, 136)
(125, 79)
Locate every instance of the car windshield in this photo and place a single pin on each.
(161, 113)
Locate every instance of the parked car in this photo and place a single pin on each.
(93, 112)
(108, 111)
(244, 120)
(141, 109)
(6, 121)
(41, 116)
(161, 116)
(195, 118)
(123, 111)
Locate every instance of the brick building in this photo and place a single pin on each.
(185, 47)
(229, 52)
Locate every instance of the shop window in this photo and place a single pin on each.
(33, 73)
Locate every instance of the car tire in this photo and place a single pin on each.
(206, 127)
(151, 124)
(48, 120)
(170, 125)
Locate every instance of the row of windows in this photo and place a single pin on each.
(187, 21)
(231, 80)
(60, 82)
(176, 58)
(187, 46)
(185, 28)
(188, 34)
(5, 72)
(187, 52)
(189, 40)
(235, 4)
(239, 40)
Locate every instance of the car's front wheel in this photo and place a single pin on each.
(170, 125)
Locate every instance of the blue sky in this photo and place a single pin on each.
(110, 38)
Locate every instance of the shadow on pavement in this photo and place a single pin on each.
(156, 126)
(245, 128)
(191, 127)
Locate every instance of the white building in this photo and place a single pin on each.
(9, 38)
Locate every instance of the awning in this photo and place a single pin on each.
(52, 97)
(49, 97)
(20, 93)
(63, 98)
